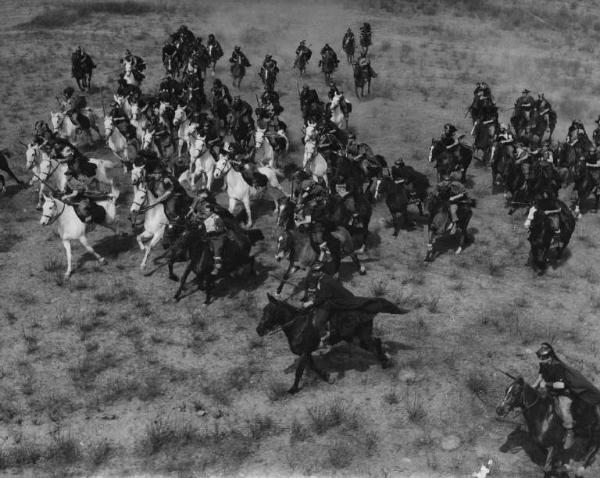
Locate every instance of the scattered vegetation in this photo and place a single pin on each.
(325, 417)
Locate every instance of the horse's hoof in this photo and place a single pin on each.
(331, 379)
(67, 275)
(293, 390)
(102, 261)
(458, 251)
(362, 271)
(173, 277)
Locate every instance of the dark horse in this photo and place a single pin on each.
(542, 127)
(195, 245)
(349, 46)
(440, 221)
(543, 235)
(304, 338)
(397, 198)
(446, 162)
(362, 77)
(585, 183)
(328, 65)
(5, 154)
(238, 71)
(484, 133)
(545, 427)
(82, 71)
(500, 155)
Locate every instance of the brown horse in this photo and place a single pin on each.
(304, 338)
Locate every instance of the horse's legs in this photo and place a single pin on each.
(373, 345)
(359, 266)
(188, 268)
(232, 203)
(246, 202)
(311, 363)
(299, 372)
(86, 244)
(67, 246)
(396, 223)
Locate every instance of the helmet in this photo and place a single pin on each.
(305, 87)
(68, 91)
(399, 162)
(237, 48)
(268, 57)
(545, 351)
(525, 91)
(217, 82)
(211, 37)
(449, 128)
(317, 266)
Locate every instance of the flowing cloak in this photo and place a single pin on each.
(332, 295)
(580, 386)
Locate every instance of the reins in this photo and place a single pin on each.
(54, 218)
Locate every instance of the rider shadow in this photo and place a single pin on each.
(447, 243)
(520, 439)
(556, 263)
(112, 246)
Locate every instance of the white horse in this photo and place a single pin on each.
(239, 190)
(182, 123)
(71, 228)
(263, 149)
(47, 171)
(311, 133)
(138, 120)
(117, 143)
(337, 117)
(128, 76)
(202, 163)
(125, 105)
(63, 125)
(155, 221)
(314, 163)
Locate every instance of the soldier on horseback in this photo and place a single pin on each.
(565, 384)
(308, 97)
(167, 190)
(524, 107)
(365, 36)
(576, 133)
(348, 38)
(121, 121)
(450, 191)
(220, 92)
(328, 50)
(238, 57)
(364, 64)
(214, 44)
(72, 105)
(270, 65)
(137, 63)
(450, 141)
(302, 52)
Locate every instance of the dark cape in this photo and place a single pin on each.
(574, 380)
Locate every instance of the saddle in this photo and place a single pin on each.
(253, 177)
(87, 207)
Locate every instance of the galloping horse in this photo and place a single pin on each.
(304, 338)
(154, 222)
(314, 163)
(202, 163)
(268, 77)
(543, 236)
(500, 155)
(264, 154)
(362, 77)
(65, 128)
(181, 122)
(440, 222)
(337, 115)
(117, 143)
(48, 172)
(397, 199)
(82, 72)
(585, 183)
(238, 71)
(349, 46)
(214, 53)
(239, 190)
(542, 127)
(545, 426)
(328, 65)
(484, 133)
(300, 62)
(139, 121)
(129, 75)
(446, 162)
(71, 228)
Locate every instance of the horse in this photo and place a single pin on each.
(440, 221)
(545, 426)
(314, 163)
(202, 163)
(264, 154)
(47, 171)
(349, 47)
(138, 120)
(338, 117)
(82, 72)
(197, 247)
(328, 65)
(543, 236)
(63, 125)
(268, 77)
(155, 220)
(397, 199)
(362, 77)
(484, 133)
(125, 105)
(585, 183)
(5, 154)
(500, 155)
(181, 122)
(304, 338)
(70, 227)
(241, 125)
(238, 71)
(300, 62)
(171, 60)
(542, 127)
(129, 75)
(239, 190)
(214, 54)
(446, 162)
(118, 143)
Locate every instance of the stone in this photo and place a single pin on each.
(450, 442)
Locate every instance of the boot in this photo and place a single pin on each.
(569, 439)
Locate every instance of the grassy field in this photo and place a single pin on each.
(103, 375)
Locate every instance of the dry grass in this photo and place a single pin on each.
(337, 414)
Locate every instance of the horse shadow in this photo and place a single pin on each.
(446, 243)
(114, 245)
(12, 190)
(519, 439)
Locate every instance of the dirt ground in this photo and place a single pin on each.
(104, 375)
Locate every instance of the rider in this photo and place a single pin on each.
(565, 384)
(270, 102)
(324, 51)
(543, 106)
(365, 31)
(596, 133)
(136, 62)
(121, 121)
(449, 140)
(241, 108)
(352, 151)
(221, 92)
(308, 97)
(210, 213)
(126, 90)
(76, 193)
(414, 181)
(304, 51)
(505, 136)
(216, 46)
(269, 64)
(167, 190)
(238, 57)
(450, 191)
(364, 64)
(348, 38)
(72, 105)
(576, 132)
(523, 108)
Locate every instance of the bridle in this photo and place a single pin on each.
(60, 123)
(52, 218)
(142, 201)
(223, 170)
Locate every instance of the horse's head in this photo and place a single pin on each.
(139, 198)
(137, 174)
(221, 167)
(135, 111)
(285, 211)
(513, 397)
(180, 115)
(284, 245)
(270, 318)
(335, 101)
(128, 66)
(57, 119)
(32, 155)
(109, 124)
(147, 138)
(434, 149)
(49, 210)
(259, 136)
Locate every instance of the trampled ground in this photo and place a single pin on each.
(105, 375)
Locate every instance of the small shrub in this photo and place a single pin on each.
(31, 342)
(162, 433)
(64, 449)
(414, 408)
(90, 366)
(337, 414)
(22, 454)
(52, 264)
(379, 288)
(261, 426)
(277, 390)
(340, 455)
(391, 398)
(477, 383)
(11, 317)
(99, 452)
(433, 304)
(298, 432)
